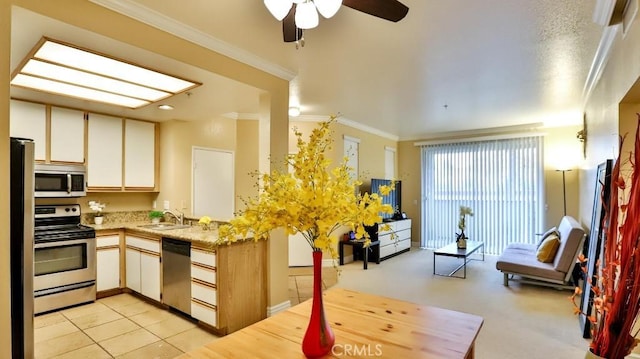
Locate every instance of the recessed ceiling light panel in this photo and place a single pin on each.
(73, 68)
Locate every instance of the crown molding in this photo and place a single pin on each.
(347, 122)
(599, 61)
(241, 116)
(162, 22)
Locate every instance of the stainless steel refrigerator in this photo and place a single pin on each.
(21, 213)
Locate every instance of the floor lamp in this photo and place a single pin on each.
(564, 191)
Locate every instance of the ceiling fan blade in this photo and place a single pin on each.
(391, 10)
(290, 31)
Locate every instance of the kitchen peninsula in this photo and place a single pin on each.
(227, 282)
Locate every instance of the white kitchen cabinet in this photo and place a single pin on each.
(143, 266)
(67, 135)
(29, 120)
(150, 275)
(108, 262)
(140, 154)
(133, 269)
(104, 162)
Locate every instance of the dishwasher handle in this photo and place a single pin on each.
(176, 246)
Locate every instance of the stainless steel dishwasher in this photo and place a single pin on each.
(176, 274)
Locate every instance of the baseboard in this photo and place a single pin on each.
(329, 262)
(278, 308)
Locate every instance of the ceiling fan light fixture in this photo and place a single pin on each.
(328, 8)
(306, 15)
(278, 8)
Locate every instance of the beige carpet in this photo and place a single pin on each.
(521, 321)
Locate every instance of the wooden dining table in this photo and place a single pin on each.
(365, 326)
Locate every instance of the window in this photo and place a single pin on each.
(352, 153)
(389, 162)
(501, 180)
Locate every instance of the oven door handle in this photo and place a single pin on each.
(91, 243)
(68, 182)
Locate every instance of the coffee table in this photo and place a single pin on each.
(452, 250)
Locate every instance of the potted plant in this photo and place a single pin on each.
(314, 201)
(616, 290)
(97, 207)
(461, 238)
(156, 216)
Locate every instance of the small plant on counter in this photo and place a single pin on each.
(205, 222)
(97, 207)
(156, 216)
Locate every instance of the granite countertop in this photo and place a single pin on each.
(194, 234)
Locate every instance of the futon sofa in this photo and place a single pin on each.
(519, 261)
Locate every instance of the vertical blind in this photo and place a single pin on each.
(502, 182)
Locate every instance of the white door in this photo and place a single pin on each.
(213, 191)
(299, 252)
(150, 275)
(108, 273)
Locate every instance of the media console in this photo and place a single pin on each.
(395, 240)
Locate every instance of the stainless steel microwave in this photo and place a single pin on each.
(56, 181)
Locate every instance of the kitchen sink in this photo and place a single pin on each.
(163, 226)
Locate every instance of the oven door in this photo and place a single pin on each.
(63, 263)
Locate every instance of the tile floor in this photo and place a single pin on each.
(125, 326)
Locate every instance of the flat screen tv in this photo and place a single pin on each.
(393, 199)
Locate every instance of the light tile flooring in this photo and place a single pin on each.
(125, 326)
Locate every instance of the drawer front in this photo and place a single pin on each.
(204, 293)
(404, 224)
(404, 244)
(404, 234)
(392, 228)
(387, 250)
(202, 257)
(386, 240)
(204, 274)
(107, 241)
(148, 244)
(205, 314)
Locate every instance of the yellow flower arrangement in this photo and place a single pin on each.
(311, 199)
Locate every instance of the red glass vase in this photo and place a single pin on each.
(319, 338)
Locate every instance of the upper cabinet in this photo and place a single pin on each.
(139, 154)
(67, 135)
(104, 165)
(121, 154)
(29, 120)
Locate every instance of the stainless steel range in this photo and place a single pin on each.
(64, 258)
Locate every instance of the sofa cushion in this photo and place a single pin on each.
(519, 258)
(571, 235)
(550, 231)
(546, 253)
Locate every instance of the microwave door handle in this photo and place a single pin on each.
(68, 182)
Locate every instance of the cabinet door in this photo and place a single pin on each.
(29, 120)
(132, 265)
(67, 135)
(150, 275)
(108, 263)
(140, 154)
(104, 162)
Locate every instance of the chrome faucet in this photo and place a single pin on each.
(179, 218)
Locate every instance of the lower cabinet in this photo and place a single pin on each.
(143, 265)
(204, 290)
(107, 262)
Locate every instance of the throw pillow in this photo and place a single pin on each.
(547, 251)
(546, 234)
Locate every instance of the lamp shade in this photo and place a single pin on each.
(306, 15)
(278, 8)
(328, 8)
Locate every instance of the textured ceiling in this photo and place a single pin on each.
(454, 65)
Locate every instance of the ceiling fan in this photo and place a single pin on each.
(298, 15)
